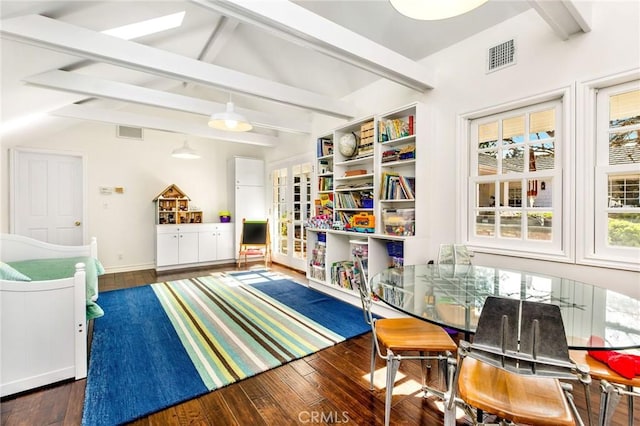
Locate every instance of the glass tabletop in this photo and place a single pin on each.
(453, 296)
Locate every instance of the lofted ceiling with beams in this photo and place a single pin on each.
(279, 61)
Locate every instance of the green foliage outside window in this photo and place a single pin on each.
(624, 233)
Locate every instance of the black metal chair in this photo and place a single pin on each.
(517, 366)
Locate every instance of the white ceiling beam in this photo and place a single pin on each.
(219, 38)
(297, 24)
(566, 17)
(107, 89)
(124, 118)
(62, 37)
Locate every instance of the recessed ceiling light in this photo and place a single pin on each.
(150, 26)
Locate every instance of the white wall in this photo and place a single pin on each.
(124, 224)
(544, 63)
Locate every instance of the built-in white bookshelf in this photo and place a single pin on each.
(388, 174)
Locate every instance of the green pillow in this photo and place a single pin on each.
(10, 274)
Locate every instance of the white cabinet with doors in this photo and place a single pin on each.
(248, 171)
(176, 245)
(193, 245)
(247, 195)
(215, 242)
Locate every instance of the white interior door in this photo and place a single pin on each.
(47, 196)
(291, 207)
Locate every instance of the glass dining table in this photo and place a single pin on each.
(453, 296)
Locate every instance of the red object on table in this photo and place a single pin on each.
(626, 365)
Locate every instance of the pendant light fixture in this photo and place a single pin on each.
(185, 152)
(230, 120)
(432, 10)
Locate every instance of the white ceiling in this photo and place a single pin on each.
(274, 80)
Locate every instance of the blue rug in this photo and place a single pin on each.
(140, 362)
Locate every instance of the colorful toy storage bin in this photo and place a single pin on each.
(395, 250)
(400, 222)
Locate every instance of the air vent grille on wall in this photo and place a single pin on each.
(129, 132)
(501, 55)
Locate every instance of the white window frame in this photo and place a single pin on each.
(560, 249)
(593, 170)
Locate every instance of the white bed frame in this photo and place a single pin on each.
(43, 332)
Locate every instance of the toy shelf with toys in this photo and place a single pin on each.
(375, 199)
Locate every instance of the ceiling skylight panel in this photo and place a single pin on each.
(150, 26)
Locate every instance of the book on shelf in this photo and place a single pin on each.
(325, 147)
(355, 172)
(396, 128)
(408, 185)
(395, 295)
(354, 200)
(318, 254)
(347, 200)
(344, 217)
(325, 183)
(344, 274)
(326, 200)
(324, 204)
(407, 152)
(397, 187)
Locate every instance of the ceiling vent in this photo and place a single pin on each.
(129, 132)
(501, 56)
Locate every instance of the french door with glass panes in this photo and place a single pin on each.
(291, 207)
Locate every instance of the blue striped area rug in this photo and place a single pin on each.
(165, 343)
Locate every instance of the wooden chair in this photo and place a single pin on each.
(393, 338)
(514, 366)
(612, 386)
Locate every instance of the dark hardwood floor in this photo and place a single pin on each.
(328, 387)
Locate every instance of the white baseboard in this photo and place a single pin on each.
(129, 268)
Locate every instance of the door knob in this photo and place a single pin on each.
(77, 223)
